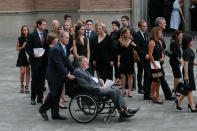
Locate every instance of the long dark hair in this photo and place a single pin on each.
(22, 30)
(175, 35)
(186, 40)
(76, 37)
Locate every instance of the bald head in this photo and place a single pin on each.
(54, 23)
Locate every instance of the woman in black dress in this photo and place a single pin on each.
(188, 72)
(22, 60)
(125, 59)
(80, 43)
(103, 54)
(156, 57)
(175, 58)
(114, 35)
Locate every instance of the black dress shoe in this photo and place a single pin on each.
(44, 115)
(126, 114)
(141, 91)
(133, 111)
(59, 117)
(63, 107)
(172, 98)
(33, 102)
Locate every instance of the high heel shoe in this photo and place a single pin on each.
(177, 105)
(153, 100)
(190, 108)
(130, 96)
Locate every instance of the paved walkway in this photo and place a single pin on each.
(16, 113)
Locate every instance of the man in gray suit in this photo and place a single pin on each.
(92, 84)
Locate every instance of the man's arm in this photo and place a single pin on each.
(83, 82)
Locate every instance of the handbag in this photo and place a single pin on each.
(136, 56)
(183, 88)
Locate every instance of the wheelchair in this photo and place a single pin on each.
(84, 107)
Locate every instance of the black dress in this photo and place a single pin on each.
(157, 55)
(22, 58)
(82, 48)
(174, 62)
(103, 54)
(126, 59)
(188, 55)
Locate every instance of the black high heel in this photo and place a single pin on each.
(190, 108)
(177, 105)
(153, 100)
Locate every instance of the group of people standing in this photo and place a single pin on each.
(61, 47)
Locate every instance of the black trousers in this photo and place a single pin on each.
(165, 87)
(37, 83)
(140, 68)
(53, 98)
(147, 79)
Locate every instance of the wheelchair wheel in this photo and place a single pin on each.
(100, 106)
(83, 108)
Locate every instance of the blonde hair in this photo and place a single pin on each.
(70, 30)
(57, 28)
(50, 37)
(122, 37)
(104, 27)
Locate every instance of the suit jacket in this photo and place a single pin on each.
(85, 81)
(33, 41)
(142, 45)
(93, 34)
(58, 64)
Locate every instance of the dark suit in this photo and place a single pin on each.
(87, 83)
(92, 37)
(38, 65)
(56, 75)
(143, 64)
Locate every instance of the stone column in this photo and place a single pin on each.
(187, 15)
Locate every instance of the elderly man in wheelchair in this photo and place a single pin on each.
(98, 96)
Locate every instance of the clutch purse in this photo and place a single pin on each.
(183, 88)
(157, 75)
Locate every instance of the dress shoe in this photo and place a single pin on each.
(59, 117)
(33, 102)
(62, 107)
(141, 91)
(192, 110)
(172, 98)
(126, 114)
(44, 115)
(133, 111)
(177, 105)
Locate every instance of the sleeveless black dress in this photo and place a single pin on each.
(82, 48)
(22, 58)
(157, 55)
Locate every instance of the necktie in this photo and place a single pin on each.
(41, 39)
(89, 73)
(145, 37)
(65, 50)
(88, 34)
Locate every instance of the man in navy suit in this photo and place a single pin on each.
(37, 39)
(56, 74)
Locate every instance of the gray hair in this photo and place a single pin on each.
(63, 33)
(79, 60)
(159, 20)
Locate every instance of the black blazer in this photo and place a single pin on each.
(33, 41)
(58, 64)
(92, 37)
(142, 45)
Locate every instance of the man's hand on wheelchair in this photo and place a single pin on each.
(71, 77)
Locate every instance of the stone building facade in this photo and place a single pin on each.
(15, 13)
